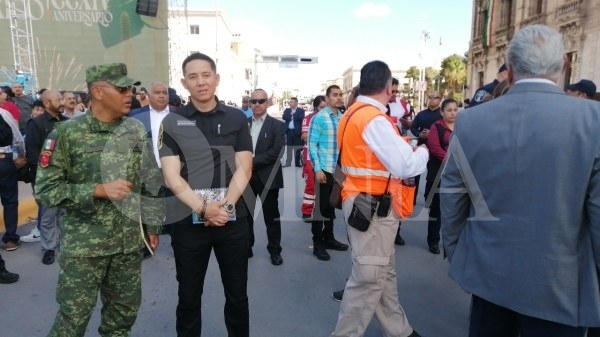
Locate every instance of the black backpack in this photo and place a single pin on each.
(6, 134)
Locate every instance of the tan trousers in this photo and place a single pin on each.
(372, 288)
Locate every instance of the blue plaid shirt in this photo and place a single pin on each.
(322, 140)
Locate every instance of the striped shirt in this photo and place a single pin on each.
(322, 140)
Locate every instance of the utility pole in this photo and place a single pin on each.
(425, 35)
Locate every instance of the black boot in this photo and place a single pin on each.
(320, 252)
(7, 277)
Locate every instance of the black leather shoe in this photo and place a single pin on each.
(48, 257)
(334, 245)
(399, 240)
(276, 259)
(434, 249)
(7, 277)
(321, 253)
(250, 253)
(337, 295)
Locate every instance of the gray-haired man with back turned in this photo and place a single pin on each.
(525, 240)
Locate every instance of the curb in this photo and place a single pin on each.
(27, 208)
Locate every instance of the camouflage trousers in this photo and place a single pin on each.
(117, 277)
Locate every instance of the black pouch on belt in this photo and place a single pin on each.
(363, 208)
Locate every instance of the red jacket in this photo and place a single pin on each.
(13, 109)
(438, 150)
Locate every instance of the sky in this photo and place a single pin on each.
(343, 33)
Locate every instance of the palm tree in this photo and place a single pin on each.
(412, 72)
(454, 71)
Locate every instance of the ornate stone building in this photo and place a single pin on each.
(577, 20)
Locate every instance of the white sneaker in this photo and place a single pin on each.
(34, 236)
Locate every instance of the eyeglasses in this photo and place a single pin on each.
(434, 97)
(121, 90)
(258, 101)
(395, 92)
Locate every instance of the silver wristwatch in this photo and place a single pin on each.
(229, 208)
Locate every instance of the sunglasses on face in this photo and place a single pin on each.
(123, 89)
(258, 101)
(434, 97)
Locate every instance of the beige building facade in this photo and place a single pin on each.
(577, 20)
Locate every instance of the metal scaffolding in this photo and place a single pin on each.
(177, 18)
(19, 13)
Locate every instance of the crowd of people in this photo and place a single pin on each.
(102, 167)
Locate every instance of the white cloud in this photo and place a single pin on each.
(369, 10)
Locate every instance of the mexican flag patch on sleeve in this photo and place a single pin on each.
(49, 144)
(46, 154)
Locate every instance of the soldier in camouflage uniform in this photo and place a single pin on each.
(100, 169)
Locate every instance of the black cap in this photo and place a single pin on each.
(586, 86)
(502, 68)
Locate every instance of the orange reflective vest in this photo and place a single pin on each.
(364, 172)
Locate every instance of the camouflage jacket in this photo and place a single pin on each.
(83, 152)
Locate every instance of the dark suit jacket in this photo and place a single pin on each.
(143, 115)
(298, 117)
(268, 153)
(527, 235)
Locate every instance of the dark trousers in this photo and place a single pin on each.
(293, 144)
(9, 196)
(417, 181)
(435, 221)
(593, 332)
(491, 320)
(270, 210)
(323, 214)
(192, 247)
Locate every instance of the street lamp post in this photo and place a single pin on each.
(425, 35)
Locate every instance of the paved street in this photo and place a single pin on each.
(291, 300)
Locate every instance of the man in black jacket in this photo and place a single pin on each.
(268, 135)
(293, 117)
(37, 131)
